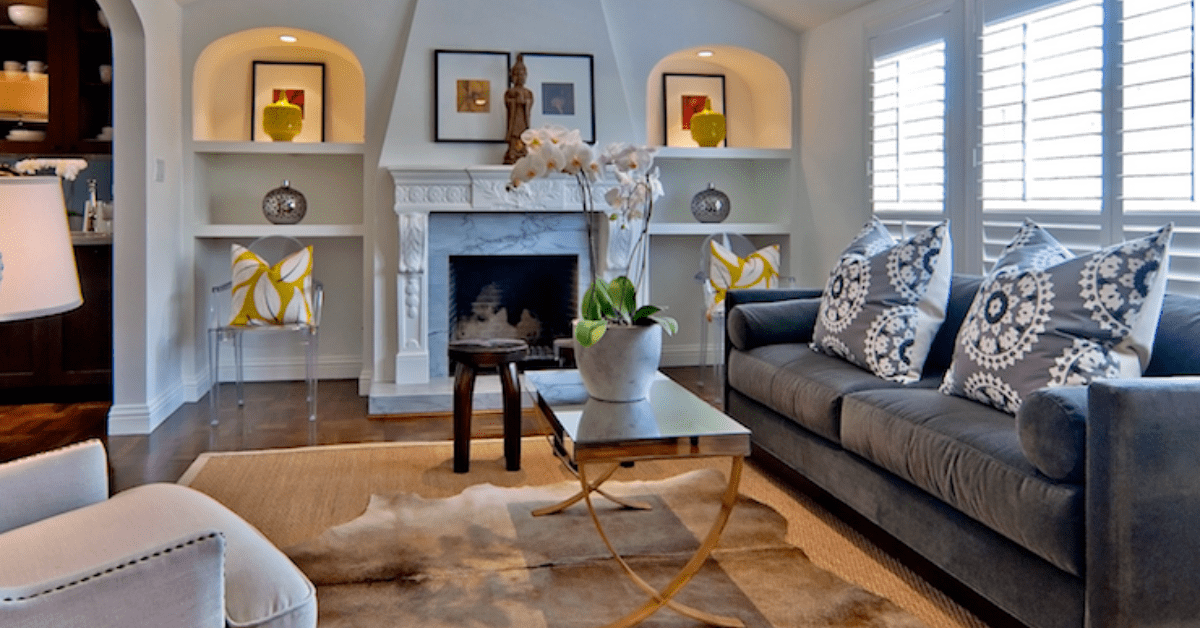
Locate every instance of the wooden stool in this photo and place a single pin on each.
(474, 354)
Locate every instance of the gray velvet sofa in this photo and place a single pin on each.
(1083, 510)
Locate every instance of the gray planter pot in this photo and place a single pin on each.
(621, 366)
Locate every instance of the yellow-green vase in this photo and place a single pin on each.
(281, 120)
(708, 126)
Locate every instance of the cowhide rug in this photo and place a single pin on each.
(480, 559)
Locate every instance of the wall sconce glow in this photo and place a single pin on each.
(704, 53)
(291, 39)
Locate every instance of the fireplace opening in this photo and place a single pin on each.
(530, 297)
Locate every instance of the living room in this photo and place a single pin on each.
(804, 182)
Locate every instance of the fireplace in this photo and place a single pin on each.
(528, 297)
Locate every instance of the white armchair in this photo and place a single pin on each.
(158, 555)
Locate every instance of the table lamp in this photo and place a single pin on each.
(37, 262)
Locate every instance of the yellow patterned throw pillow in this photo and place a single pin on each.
(271, 295)
(727, 271)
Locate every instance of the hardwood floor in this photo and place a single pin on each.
(274, 416)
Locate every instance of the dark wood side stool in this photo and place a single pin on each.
(472, 355)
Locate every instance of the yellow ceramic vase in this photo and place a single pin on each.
(708, 126)
(281, 120)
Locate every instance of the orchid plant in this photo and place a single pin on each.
(554, 149)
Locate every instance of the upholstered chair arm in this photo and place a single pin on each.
(176, 583)
(1143, 503)
(47, 484)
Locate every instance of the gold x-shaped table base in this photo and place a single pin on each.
(658, 597)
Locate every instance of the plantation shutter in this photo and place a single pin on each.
(908, 125)
(1041, 144)
(1158, 130)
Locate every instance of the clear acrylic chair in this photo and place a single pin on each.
(271, 249)
(742, 247)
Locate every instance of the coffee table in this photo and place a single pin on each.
(672, 423)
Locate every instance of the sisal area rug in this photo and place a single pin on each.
(392, 537)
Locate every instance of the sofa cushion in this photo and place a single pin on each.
(805, 386)
(968, 455)
(1052, 426)
(1175, 342)
(1088, 318)
(882, 311)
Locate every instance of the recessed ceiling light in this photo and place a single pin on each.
(291, 39)
(704, 53)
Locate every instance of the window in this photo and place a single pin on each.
(908, 136)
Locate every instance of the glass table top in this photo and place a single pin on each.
(671, 423)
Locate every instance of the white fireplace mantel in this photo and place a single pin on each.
(424, 190)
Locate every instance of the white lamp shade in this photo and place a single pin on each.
(38, 275)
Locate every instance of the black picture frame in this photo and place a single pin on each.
(468, 95)
(267, 77)
(678, 86)
(564, 91)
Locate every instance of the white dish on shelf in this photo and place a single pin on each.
(26, 135)
(27, 15)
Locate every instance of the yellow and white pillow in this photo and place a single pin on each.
(727, 271)
(271, 295)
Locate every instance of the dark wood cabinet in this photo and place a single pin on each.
(73, 44)
(65, 357)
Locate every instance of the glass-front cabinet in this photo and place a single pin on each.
(56, 82)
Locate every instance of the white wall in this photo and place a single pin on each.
(393, 40)
(833, 144)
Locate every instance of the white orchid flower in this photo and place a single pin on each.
(528, 168)
(578, 158)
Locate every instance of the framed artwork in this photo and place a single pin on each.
(469, 88)
(304, 84)
(564, 91)
(683, 96)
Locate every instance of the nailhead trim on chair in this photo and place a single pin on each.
(207, 537)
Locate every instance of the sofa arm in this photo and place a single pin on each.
(52, 483)
(1143, 502)
(761, 323)
(179, 584)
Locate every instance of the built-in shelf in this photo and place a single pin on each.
(706, 228)
(278, 148)
(684, 152)
(296, 231)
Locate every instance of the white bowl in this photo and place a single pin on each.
(27, 15)
(26, 135)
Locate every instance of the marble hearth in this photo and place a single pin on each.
(444, 212)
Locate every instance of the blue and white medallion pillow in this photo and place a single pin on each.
(1086, 318)
(1032, 247)
(885, 301)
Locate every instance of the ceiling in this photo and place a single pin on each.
(803, 14)
(798, 14)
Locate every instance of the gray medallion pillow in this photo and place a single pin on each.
(1085, 318)
(1032, 247)
(885, 301)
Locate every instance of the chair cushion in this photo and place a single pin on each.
(882, 311)
(727, 271)
(1087, 318)
(968, 455)
(271, 295)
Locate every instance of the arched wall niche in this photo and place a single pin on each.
(758, 95)
(221, 82)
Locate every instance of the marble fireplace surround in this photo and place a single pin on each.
(468, 211)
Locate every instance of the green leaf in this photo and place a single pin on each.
(597, 302)
(669, 325)
(624, 296)
(646, 311)
(589, 332)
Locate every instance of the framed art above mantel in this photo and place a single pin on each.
(564, 91)
(469, 88)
